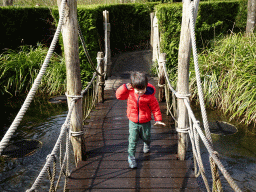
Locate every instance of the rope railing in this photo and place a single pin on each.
(65, 129)
(87, 105)
(90, 99)
(194, 130)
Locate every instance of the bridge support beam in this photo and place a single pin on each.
(183, 79)
(74, 85)
(108, 62)
(100, 58)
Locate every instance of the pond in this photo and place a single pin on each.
(19, 173)
(237, 152)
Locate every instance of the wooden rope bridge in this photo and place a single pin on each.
(106, 139)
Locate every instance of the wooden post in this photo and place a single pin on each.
(155, 40)
(74, 85)
(108, 62)
(7, 2)
(100, 61)
(251, 16)
(152, 15)
(183, 78)
(161, 78)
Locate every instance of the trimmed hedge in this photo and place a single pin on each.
(130, 26)
(130, 29)
(213, 19)
(25, 26)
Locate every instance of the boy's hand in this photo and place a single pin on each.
(129, 86)
(160, 123)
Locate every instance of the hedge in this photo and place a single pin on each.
(214, 19)
(25, 26)
(130, 26)
(130, 29)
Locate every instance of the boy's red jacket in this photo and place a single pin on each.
(139, 108)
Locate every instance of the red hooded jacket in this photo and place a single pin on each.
(139, 108)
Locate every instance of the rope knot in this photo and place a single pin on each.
(53, 155)
(182, 130)
(197, 123)
(182, 96)
(74, 97)
(76, 134)
(159, 85)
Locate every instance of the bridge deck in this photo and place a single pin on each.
(106, 167)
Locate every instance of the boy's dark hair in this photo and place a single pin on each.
(139, 80)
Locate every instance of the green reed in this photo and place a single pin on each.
(18, 70)
(228, 74)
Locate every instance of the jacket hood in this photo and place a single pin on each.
(150, 90)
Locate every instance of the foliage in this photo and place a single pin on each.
(213, 19)
(18, 71)
(126, 34)
(25, 26)
(50, 3)
(228, 75)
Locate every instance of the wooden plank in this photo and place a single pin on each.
(102, 143)
(133, 183)
(133, 173)
(157, 164)
(125, 131)
(134, 190)
(122, 156)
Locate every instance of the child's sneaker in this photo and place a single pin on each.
(146, 148)
(132, 162)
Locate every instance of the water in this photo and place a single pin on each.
(20, 173)
(237, 153)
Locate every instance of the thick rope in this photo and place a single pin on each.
(87, 53)
(55, 149)
(198, 78)
(52, 174)
(64, 128)
(201, 94)
(4, 142)
(210, 149)
(198, 131)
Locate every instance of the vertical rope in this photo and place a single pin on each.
(201, 97)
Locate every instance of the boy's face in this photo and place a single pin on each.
(140, 92)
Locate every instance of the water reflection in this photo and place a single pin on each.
(19, 174)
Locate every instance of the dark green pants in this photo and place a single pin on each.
(137, 131)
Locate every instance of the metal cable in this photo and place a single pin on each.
(4, 142)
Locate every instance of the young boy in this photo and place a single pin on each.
(141, 101)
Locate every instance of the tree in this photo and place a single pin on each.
(7, 2)
(251, 16)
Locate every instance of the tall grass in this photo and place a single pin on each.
(228, 73)
(18, 71)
